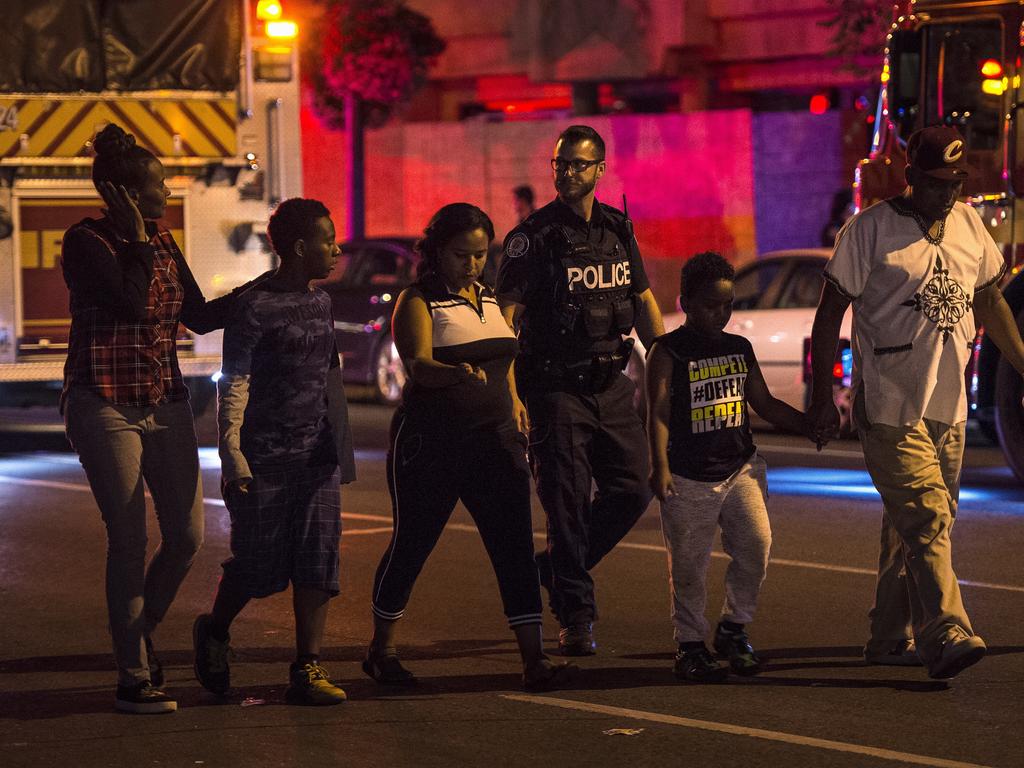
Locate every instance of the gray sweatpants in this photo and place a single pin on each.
(120, 446)
(688, 522)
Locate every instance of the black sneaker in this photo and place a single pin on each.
(156, 669)
(735, 646)
(386, 669)
(577, 640)
(143, 699)
(548, 675)
(211, 657)
(698, 666)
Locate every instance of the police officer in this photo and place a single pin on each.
(573, 284)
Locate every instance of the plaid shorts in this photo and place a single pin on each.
(287, 528)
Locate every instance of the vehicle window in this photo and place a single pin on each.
(803, 288)
(957, 92)
(752, 282)
(904, 93)
(375, 266)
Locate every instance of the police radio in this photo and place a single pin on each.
(628, 223)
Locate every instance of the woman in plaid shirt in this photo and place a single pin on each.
(125, 404)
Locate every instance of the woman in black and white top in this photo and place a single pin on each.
(459, 435)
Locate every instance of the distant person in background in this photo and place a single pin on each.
(842, 210)
(522, 202)
(125, 404)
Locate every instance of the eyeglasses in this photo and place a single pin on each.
(561, 165)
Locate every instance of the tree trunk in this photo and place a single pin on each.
(356, 176)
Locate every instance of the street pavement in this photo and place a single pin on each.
(816, 704)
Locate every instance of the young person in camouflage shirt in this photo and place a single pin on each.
(285, 448)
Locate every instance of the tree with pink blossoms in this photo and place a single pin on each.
(371, 58)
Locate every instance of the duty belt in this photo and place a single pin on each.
(594, 374)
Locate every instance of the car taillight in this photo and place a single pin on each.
(971, 372)
(842, 368)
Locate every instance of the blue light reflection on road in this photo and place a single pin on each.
(856, 484)
(1002, 498)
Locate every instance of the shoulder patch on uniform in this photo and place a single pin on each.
(517, 246)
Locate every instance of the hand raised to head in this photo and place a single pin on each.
(122, 211)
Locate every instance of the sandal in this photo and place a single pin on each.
(546, 675)
(386, 669)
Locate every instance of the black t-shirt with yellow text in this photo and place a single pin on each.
(709, 428)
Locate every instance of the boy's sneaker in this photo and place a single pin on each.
(902, 653)
(156, 669)
(959, 651)
(310, 686)
(577, 640)
(143, 699)
(735, 646)
(211, 657)
(698, 666)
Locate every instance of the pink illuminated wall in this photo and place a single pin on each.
(688, 178)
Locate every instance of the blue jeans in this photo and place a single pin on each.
(119, 448)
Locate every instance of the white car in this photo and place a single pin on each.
(776, 298)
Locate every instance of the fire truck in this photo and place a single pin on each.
(958, 63)
(212, 89)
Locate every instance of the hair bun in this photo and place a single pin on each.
(113, 140)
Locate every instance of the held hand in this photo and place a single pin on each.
(472, 374)
(823, 422)
(123, 212)
(661, 483)
(807, 429)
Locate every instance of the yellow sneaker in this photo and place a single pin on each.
(310, 686)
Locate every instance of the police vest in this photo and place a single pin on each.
(592, 303)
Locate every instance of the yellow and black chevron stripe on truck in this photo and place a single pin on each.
(41, 127)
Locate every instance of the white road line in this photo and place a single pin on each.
(539, 535)
(740, 730)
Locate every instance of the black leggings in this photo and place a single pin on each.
(427, 474)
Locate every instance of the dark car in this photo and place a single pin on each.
(363, 296)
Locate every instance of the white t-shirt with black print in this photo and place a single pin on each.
(913, 307)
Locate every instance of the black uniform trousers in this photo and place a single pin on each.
(429, 470)
(576, 441)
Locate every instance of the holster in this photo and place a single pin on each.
(589, 376)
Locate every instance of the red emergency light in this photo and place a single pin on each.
(819, 104)
(991, 68)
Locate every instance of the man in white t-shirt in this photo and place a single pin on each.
(918, 269)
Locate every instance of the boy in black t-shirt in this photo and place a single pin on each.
(705, 468)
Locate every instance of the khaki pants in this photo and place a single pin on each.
(119, 448)
(916, 469)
